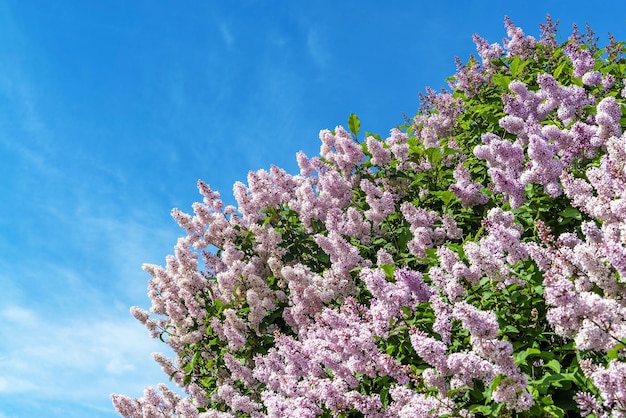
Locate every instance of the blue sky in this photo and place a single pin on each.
(110, 111)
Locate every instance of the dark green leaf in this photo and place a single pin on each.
(571, 213)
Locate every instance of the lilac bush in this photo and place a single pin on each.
(470, 264)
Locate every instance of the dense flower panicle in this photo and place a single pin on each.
(488, 257)
(293, 369)
(589, 405)
(381, 202)
(155, 404)
(612, 385)
(467, 366)
(413, 282)
(593, 321)
(380, 154)
(430, 350)
(350, 223)
(306, 168)
(397, 142)
(469, 78)
(307, 294)
(410, 404)
(383, 257)
(341, 150)
(518, 43)
(504, 236)
(532, 107)
(581, 57)
(505, 161)
(488, 52)
(466, 190)
(421, 226)
(443, 315)
(343, 257)
(479, 323)
(592, 78)
(428, 274)
(608, 119)
(451, 227)
(431, 128)
(549, 32)
(543, 168)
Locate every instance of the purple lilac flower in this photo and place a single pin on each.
(341, 150)
(380, 154)
(581, 58)
(381, 203)
(479, 323)
(608, 118)
(589, 405)
(612, 385)
(486, 51)
(518, 43)
(543, 168)
(467, 190)
(443, 318)
(430, 350)
(504, 160)
(592, 78)
(469, 78)
(397, 142)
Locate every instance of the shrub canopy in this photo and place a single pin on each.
(471, 263)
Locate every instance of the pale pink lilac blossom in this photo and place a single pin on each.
(505, 163)
(518, 43)
(432, 127)
(466, 190)
(469, 78)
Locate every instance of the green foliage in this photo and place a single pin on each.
(354, 124)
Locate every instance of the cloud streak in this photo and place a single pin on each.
(79, 360)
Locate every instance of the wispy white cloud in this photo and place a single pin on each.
(81, 359)
(66, 332)
(317, 48)
(227, 35)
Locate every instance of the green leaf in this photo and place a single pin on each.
(554, 365)
(613, 353)
(551, 380)
(446, 196)
(433, 154)
(501, 81)
(571, 213)
(449, 151)
(389, 270)
(517, 65)
(481, 409)
(496, 382)
(521, 356)
(218, 305)
(511, 329)
(192, 364)
(403, 239)
(354, 124)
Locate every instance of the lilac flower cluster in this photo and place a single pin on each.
(466, 190)
(351, 287)
(432, 126)
(488, 358)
